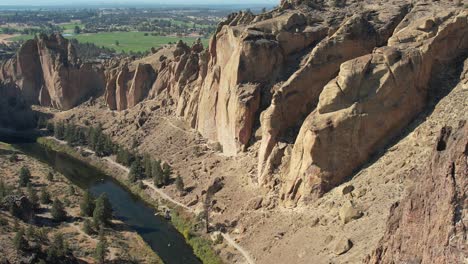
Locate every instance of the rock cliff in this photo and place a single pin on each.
(320, 85)
(438, 201)
(47, 72)
(373, 98)
(316, 87)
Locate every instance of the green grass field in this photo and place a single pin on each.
(128, 41)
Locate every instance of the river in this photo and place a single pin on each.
(158, 233)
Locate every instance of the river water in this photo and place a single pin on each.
(158, 233)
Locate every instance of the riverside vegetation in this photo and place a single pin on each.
(141, 167)
(71, 227)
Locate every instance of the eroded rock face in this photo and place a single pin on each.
(126, 88)
(322, 86)
(48, 73)
(429, 226)
(298, 96)
(373, 98)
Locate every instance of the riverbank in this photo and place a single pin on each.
(182, 219)
(124, 245)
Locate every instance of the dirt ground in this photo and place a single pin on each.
(123, 244)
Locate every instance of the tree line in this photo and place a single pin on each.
(141, 167)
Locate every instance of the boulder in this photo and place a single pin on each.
(342, 246)
(348, 213)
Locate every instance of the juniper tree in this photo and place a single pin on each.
(32, 196)
(87, 205)
(58, 211)
(58, 249)
(179, 184)
(101, 251)
(166, 173)
(19, 241)
(24, 176)
(87, 227)
(136, 171)
(103, 211)
(157, 172)
(44, 198)
(147, 165)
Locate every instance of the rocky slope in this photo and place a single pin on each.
(308, 80)
(46, 71)
(302, 99)
(438, 200)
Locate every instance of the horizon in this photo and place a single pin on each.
(138, 3)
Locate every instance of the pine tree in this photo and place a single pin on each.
(87, 227)
(87, 205)
(19, 241)
(58, 249)
(147, 164)
(44, 198)
(32, 196)
(108, 146)
(24, 176)
(157, 173)
(58, 211)
(179, 184)
(101, 251)
(166, 173)
(103, 211)
(136, 171)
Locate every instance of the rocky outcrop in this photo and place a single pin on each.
(322, 85)
(298, 96)
(437, 200)
(373, 98)
(47, 72)
(126, 87)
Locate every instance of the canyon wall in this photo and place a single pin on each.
(315, 87)
(47, 72)
(321, 88)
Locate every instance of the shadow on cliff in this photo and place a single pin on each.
(445, 77)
